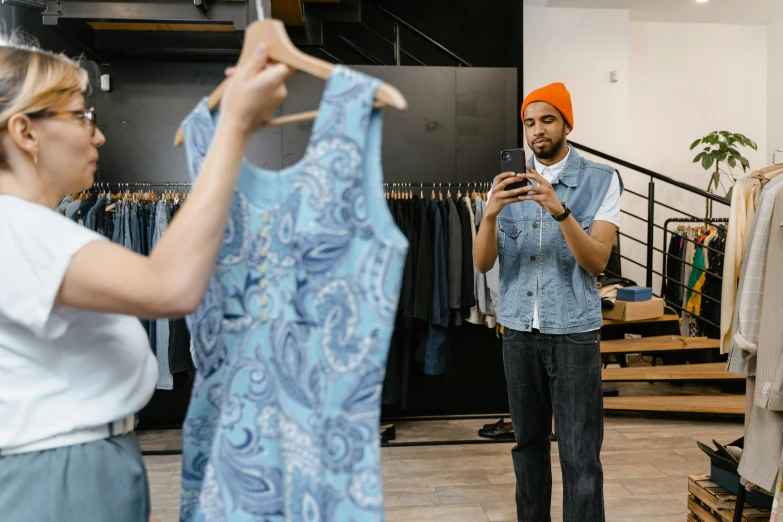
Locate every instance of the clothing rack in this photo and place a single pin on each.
(692, 220)
(666, 233)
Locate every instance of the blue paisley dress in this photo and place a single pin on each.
(291, 339)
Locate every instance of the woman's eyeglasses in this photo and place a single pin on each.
(90, 116)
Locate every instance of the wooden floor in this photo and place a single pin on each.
(646, 463)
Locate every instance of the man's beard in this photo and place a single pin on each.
(557, 146)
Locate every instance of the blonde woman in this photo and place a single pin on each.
(75, 363)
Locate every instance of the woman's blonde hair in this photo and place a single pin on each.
(33, 80)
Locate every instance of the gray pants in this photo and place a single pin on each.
(558, 374)
(101, 481)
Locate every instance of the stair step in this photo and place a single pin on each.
(662, 319)
(663, 343)
(675, 372)
(730, 404)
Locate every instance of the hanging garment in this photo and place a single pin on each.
(711, 305)
(764, 432)
(671, 288)
(696, 280)
(743, 209)
(425, 264)
(292, 336)
(492, 280)
(685, 329)
(436, 351)
(745, 329)
(474, 316)
(162, 326)
(468, 299)
(455, 240)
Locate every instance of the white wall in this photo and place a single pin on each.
(775, 91)
(690, 79)
(580, 47)
(686, 81)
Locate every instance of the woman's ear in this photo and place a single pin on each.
(23, 133)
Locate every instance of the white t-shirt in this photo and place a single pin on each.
(61, 369)
(608, 211)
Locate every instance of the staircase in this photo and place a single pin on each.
(675, 360)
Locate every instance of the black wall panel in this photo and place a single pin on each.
(486, 120)
(143, 111)
(457, 122)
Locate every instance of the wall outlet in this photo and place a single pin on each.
(105, 82)
(614, 77)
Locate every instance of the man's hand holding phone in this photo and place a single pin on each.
(507, 189)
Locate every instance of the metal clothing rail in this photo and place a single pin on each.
(416, 184)
(144, 183)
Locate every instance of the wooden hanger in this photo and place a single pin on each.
(280, 49)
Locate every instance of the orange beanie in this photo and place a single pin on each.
(556, 95)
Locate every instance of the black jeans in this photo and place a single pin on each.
(558, 374)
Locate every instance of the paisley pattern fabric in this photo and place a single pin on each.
(291, 339)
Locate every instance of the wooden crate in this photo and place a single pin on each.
(709, 502)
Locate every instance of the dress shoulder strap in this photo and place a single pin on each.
(346, 109)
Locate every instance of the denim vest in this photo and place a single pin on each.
(568, 295)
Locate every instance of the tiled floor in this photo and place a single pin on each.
(646, 464)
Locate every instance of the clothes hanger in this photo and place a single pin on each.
(281, 49)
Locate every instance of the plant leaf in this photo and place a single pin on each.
(699, 156)
(707, 161)
(695, 143)
(719, 155)
(730, 192)
(724, 133)
(745, 164)
(732, 161)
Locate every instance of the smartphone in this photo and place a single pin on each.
(513, 160)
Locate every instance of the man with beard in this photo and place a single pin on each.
(553, 237)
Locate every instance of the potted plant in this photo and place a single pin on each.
(720, 156)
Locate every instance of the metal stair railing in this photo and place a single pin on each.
(396, 43)
(651, 247)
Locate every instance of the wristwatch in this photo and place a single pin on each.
(564, 215)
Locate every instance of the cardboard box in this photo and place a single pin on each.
(639, 311)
